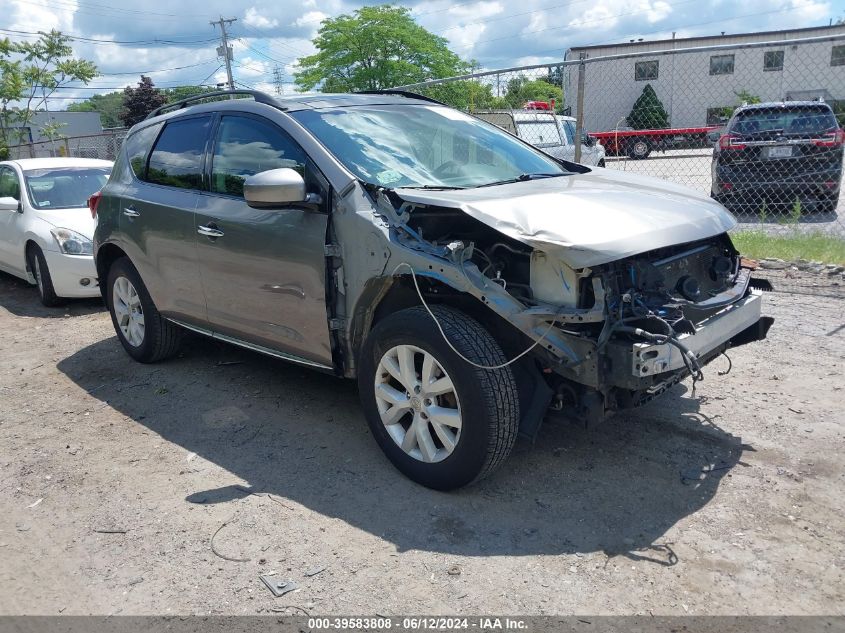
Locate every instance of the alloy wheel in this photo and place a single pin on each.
(418, 403)
(128, 311)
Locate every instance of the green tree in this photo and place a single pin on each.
(30, 72)
(743, 96)
(139, 102)
(520, 89)
(178, 93)
(648, 112)
(465, 95)
(108, 105)
(376, 47)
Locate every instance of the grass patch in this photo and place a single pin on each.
(818, 247)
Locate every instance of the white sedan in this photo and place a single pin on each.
(46, 226)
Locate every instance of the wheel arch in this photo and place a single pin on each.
(397, 293)
(107, 254)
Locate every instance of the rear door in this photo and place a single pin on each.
(263, 270)
(157, 213)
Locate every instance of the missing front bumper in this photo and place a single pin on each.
(636, 365)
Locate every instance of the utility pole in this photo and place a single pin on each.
(277, 79)
(225, 51)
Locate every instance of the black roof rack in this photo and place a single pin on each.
(400, 93)
(259, 97)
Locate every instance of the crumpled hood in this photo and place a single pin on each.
(589, 219)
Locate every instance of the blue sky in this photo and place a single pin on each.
(269, 36)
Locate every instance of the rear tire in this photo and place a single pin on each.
(43, 280)
(639, 148)
(144, 333)
(827, 206)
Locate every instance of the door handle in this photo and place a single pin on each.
(130, 212)
(210, 230)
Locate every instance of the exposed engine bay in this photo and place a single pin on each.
(631, 328)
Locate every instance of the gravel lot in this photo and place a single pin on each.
(115, 477)
(691, 168)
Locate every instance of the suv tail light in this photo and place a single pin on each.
(93, 201)
(834, 139)
(730, 141)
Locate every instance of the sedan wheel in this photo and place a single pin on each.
(418, 404)
(128, 311)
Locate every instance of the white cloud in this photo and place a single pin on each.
(253, 18)
(311, 19)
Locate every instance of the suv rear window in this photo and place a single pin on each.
(797, 121)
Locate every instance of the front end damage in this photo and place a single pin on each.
(599, 338)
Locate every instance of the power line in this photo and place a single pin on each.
(160, 70)
(107, 11)
(102, 41)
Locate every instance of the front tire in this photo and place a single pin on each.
(443, 422)
(144, 333)
(43, 280)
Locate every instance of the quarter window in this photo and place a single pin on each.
(245, 146)
(646, 71)
(176, 160)
(722, 65)
(138, 146)
(837, 56)
(773, 60)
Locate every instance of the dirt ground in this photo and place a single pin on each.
(115, 477)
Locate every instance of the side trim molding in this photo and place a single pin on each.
(252, 346)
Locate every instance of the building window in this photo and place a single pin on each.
(773, 60)
(722, 65)
(646, 71)
(837, 56)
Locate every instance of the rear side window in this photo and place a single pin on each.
(539, 133)
(138, 146)
(796, 121)
(245, 146)
(177, 158)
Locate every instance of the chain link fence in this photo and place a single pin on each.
(692, 116)
(104, 146)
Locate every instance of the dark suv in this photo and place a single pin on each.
(777, 154)
(468, 281)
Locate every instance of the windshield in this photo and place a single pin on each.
(423, 146)
(64, 187)
(795, 120)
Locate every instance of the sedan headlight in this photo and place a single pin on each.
(72, 243)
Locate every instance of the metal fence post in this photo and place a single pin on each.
(579, 116)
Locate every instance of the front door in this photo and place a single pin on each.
(11, 238)
(263, 270)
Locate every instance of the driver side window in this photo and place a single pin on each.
(9, 184)
(245, 146)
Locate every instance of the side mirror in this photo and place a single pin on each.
(587, 140)
(713, 136)
(9, 204)
(276, 187)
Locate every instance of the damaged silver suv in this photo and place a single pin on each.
(469, 282)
